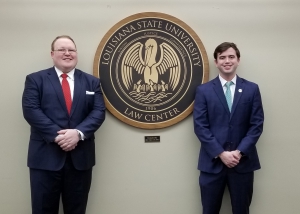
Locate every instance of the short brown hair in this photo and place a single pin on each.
(59, 37)
(224, 47)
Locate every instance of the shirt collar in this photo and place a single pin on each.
(70, 74)
(223, 81)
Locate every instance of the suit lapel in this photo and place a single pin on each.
(77, 90)
(237, 94)
(220, 93)
(52, 75)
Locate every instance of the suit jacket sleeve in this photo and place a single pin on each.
(202, 128)
(33, 113)
(96, 116)
(256, 124)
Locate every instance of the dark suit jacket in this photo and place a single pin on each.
(45, 110)
(219, 130)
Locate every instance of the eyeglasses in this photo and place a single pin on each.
(62, 50)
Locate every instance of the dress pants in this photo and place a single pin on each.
(71, 184)
(240, 187)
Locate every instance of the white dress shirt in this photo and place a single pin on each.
(70, 79)
(232, 87)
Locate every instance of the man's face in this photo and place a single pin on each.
(227, 62)
(64, 55)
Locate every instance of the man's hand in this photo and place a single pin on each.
(67, 139)
(237, 154)
(230, 159)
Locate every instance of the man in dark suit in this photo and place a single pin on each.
(228, 121)
(64, 108)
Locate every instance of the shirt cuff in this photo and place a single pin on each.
(80, 134)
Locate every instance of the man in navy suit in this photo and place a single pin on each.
(228, 121)
(61, 147)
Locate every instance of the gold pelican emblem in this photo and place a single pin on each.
(133, 61)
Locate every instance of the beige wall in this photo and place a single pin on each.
(132, 177)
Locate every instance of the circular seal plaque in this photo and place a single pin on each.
(150, 65)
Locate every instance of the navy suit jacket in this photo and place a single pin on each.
(220, 130)
(45, 110)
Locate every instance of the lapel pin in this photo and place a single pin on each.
(240, 90)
